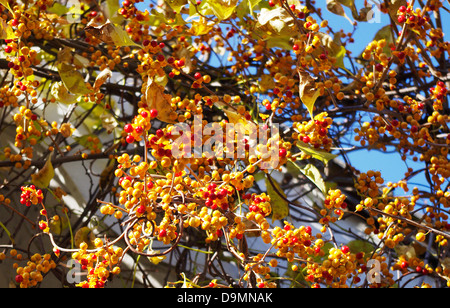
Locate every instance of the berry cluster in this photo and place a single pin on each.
(315, 132)
(34, 271)
(334, 204)
(30, 195)
(438, 94)
(99, 265)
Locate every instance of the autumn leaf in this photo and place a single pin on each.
(185, 54)
(110, 34)
(308, 92)
(336, 8)
(394, 5)
(43, 177)
(157, 99)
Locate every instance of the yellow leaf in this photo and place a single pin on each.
(6, 31)
(101, 78)
(264, 116)
(62, 95)
(201, 27)
(280, 207)
(72, 79)
(157, 99)
(266, 83)
(155, 260)
(59, 225)
(308, 92)
(234, 117)
(5, 3)
(44, 176)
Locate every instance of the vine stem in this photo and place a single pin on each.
(411, 222)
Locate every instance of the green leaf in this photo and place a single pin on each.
(385, 33)
(360, 246)
(326, 248)
(320, 155)
(280, 207)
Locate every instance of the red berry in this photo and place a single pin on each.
(282, 153)
(181, 63)
(128, 128)
(8, 49)
(345, 249)
(153, 113)
(19, 278)
(130, 139)
(308, 230)
(379, 67)
(198, 76)
(401, 19)
(140, 209)
(162, 233)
